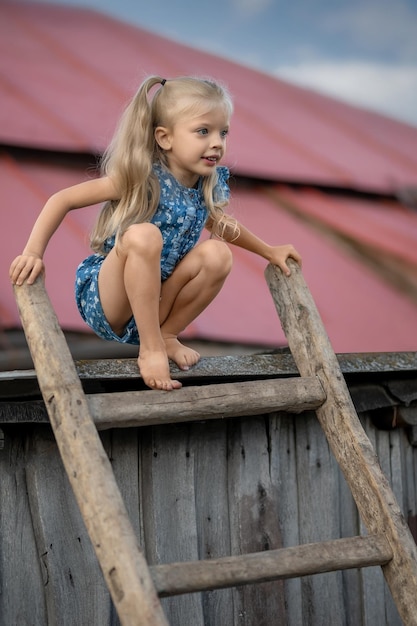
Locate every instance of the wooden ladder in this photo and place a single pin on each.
(134, 586)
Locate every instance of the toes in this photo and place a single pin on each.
(163, 385)
(188, 360)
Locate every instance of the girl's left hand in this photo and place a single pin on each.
(280, 254)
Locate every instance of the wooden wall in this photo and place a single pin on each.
(193, 491)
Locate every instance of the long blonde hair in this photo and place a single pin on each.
(129, 158)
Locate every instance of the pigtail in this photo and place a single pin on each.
(128, 162)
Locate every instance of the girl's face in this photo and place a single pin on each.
(195, 144)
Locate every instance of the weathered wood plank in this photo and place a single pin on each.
(23, 412)
(373, 581)
(353, 591)
(123, 451)
(20, 558)
(283, 434)
(22, 584)
(387, 449)
(67, 556)
(410, 477)
(314, 558)
(318, 491)
(99, 374)
(169, 509)
(209, 441)
(254, 516)
(143, 408)
(313, 354)
(87, 466)
(250, 366)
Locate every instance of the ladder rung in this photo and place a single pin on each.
(141, 408)
(313, 558)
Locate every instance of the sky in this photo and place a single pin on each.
(361, 51)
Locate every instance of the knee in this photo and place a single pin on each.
(143, 238)
(218, 257)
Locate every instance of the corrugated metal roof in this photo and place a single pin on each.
(64, 77)
(385, 227)
(361, 307)
(362, 311)
(66, 73)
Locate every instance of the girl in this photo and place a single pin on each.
(161, 184)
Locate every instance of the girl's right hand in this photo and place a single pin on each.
(26, 267)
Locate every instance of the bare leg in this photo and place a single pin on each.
(195, 282)
(130, 282)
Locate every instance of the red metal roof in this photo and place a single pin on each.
(362, 312)
(361, 309)
(62, 87)
(66, 73)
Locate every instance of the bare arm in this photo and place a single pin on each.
(277, 255)
(28, 265)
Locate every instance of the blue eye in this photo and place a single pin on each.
(203, 131)
(224, 133)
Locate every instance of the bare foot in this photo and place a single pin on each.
(181, 355)
(154, 369)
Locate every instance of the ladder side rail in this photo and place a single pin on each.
(86, 463)
(379, 510)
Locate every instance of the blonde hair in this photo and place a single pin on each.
(129, 158)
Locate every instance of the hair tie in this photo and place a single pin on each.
(163, 81)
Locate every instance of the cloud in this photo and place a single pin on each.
(379, 27)
(388, 89)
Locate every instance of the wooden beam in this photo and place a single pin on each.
(314, 355)
(204, 402)
(314, 558)
(105, 373)
(86, 463)
(141, 408)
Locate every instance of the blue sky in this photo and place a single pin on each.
(361, 51)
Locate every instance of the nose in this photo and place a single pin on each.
(217, 140)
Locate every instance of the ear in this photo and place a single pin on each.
(163, 137)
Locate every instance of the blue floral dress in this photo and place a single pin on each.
(181, 216)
